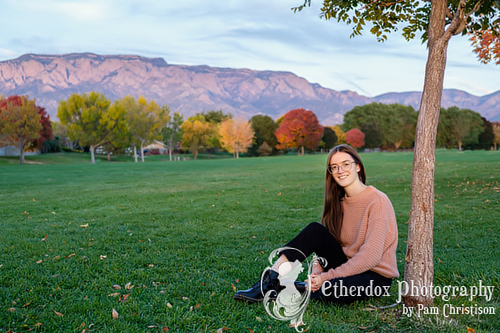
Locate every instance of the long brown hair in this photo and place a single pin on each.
(333, 213)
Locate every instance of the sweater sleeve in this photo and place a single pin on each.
(371, 251)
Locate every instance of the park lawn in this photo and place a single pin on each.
(186, 234)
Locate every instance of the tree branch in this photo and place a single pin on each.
(388, 4)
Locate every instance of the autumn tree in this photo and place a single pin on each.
(89, 120)
(496, 134)
(20, 123)
(458, 127)
(439, 20)
(236, 135)
(264, 150)
(300, 128)
(196, 134)
(487, 46)
(215, 118)
(264, 128)
(355, 138)
(144, 123)
(340, 134)
(172, 132)
(46, 133)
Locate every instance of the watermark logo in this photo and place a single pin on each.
(288, 303)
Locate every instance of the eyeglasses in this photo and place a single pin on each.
(345, 166)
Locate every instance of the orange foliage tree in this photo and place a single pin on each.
(299, 128)
(355, 138)
(236, 135)
(487, 46)
(22, 124)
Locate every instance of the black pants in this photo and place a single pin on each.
(315, 238)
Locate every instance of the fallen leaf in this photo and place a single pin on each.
(34, 201)
(165, 329)
(470, 330)
(223, 329)
(169, 305)
(37, 324)
(279, 193)
(151, 265)
(197, 306)
(259, 319)
(232, 286)
(39, 261)
(117, 287)
(44, 238)
(58, 313)
(103, 257)
(72, 254)
(12, 309)
(86, 225)
(114, 294)
(128, 286)
(191, 308)
(123, 298)
(250, 330)
(185, 298)
(151, 326)
(440, 261)
(237, 280)
(114, 314)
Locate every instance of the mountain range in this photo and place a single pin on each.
(192, 89)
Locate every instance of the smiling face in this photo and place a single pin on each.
(345, 176)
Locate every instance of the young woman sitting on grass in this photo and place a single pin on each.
(358, 238)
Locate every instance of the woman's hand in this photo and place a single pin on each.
(316, 281)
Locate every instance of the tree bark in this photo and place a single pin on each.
(21, 151)
(419, 265)
(135, 153)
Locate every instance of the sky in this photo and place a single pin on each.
(256, 34)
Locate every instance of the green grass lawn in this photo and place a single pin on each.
(184, 233)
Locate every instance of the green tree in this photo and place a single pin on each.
(465, 126)
(20, 123)
(329, 138)
(395, 122)
(264, 128)
(439, 20)
(486, 138)
(89, 119)
(172, 132)
(373, 138)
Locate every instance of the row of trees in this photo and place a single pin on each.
(393, 126)
(92, 120)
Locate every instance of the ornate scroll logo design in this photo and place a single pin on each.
(288, 303)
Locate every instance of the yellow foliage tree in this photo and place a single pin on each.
(236, 135)
(340, 134)
(197, 133)
(145, 121)
(496, 133)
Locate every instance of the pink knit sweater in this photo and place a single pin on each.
(370, 236)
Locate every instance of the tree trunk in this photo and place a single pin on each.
(237, 153)
(459, 145)
(135, 153)
(109, 156)
(302, 150)
(142, 151)
(419, 265)
(92, 154)
(21, 151)
(170, 149)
